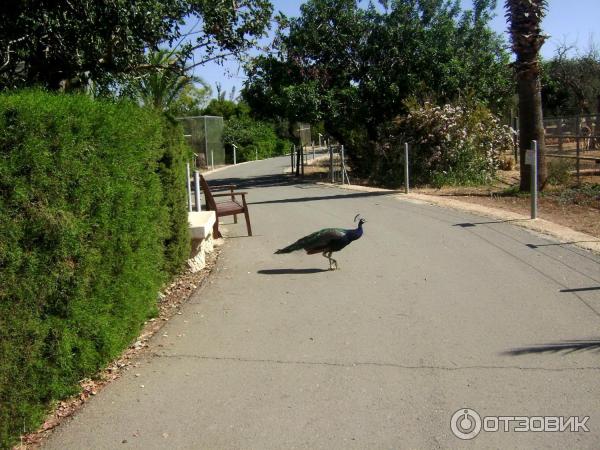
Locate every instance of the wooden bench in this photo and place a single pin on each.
(229, 207)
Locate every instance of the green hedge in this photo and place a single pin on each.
(253, 138)
(92, 221)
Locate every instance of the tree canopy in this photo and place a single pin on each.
(345, 64)
(68, 42)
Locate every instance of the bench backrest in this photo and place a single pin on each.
(210, 201)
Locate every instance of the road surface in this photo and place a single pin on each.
(432, 311)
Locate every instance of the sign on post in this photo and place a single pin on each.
(529, 157)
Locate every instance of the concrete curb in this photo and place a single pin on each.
(228, 166)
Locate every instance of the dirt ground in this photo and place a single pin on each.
(563, 205)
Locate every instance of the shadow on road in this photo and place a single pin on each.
(257, 181)
(324, 197)
(558, 347)
(534, 246)
(290, 271)
(585, 289)
(473, 224)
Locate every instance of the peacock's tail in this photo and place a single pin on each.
(302, 244)
(290, 248)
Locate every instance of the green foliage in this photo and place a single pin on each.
(559, 171)
(191, 100)
(165, 86)
(570, 84)
(253, 138)
(171, 168)
(226, 109)
(454, 145)
(90, 224)
(350, 66)
(69, 42)
(587, 194)
(353, 68)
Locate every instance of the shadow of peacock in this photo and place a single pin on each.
(327, 241)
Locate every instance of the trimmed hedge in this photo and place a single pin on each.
(92, 221)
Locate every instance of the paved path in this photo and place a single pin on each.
(418, 323)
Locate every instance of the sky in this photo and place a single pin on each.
(572, 22)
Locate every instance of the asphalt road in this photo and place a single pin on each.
(432, 311)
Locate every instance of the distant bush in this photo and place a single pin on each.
(559, 171)
(451, 144)
(252, 138)
(90, 225)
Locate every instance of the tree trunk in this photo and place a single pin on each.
(531, 127)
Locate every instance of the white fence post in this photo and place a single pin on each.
(406, 181)
(197, 189)
(189, 186)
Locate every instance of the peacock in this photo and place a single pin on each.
(327, 241)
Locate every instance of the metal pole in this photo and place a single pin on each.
(292, 156)
(205, 143)
(234, 154)
(343, 165)
(331, 164)
(313, 149)
(189, 186)
(297, 161)
(302, 158)
(197, 189)
(578, 148)
(406, 181)
(256, 155)
(212, 159)
(534, 177)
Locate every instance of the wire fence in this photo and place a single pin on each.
(573, 145)
(205, 136)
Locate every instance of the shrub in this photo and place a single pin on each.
(253, 138)
(171, 168)
(452, 144)
(87, 233)
(559, 171)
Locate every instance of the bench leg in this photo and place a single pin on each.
(216, 233)
(235, 218)
(248, 221)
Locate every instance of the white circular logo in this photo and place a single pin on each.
(465, 423)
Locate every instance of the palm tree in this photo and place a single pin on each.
(524, 18)
(165, 80)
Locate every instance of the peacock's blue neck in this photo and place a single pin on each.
(356, 233)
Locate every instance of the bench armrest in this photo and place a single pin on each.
(229, 194)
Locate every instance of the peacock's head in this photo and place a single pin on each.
(361, 220)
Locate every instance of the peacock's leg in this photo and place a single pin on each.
(334, 263)
(328, 256)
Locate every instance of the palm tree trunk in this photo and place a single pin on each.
(524, 18)
(531, 127)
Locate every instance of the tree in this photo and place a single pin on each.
(571, 84)
(191, 101)
(524, 18)
(226, 109)
(66, 43)
(166, 83)
(354, 68)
